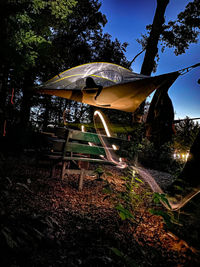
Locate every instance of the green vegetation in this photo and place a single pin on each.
(186, 132)
(130, 198)
(41, 39)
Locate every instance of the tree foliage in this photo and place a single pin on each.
(39, 40)
(177, 34)
(26, 37)
(181, 33)
(186, 132)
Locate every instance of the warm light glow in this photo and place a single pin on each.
(110, 156)
(82, 128)
(182, 156)
(114, 147)
(105, 126)
(103, 121)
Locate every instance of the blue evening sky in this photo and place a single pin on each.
(127, 20)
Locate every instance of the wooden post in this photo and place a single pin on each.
(63, 170)
(53, 168)
(80, 186)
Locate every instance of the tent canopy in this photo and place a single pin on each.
(105, 85)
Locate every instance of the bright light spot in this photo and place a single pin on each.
(182, 156)
(82, 128)
(114, 147)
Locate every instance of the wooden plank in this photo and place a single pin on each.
(93, 137)
(85, 149)
(58, 145)
(92, 160)
(48, 134)
(61, 132)
(84, 136)
(73, 171)
(80, 159)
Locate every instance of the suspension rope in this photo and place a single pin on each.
(186, 70)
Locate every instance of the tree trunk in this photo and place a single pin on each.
(152, 47)
(152, 43)
(3, 95)
(26, 100)
(46, 116)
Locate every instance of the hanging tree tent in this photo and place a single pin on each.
(111, 86)
(105, 85)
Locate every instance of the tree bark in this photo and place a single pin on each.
(152, 48)
(46, 116)
(3, 93)
(152, 43)
(26, 100)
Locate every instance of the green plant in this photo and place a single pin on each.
(159, 197)
(99, 171)
(128, 200)
(168, 216)
(133, 198)
(131, 184)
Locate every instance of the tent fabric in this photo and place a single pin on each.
(160, 118)
(104, 74)
(105, 85)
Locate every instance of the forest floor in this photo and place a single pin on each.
(48, 222)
